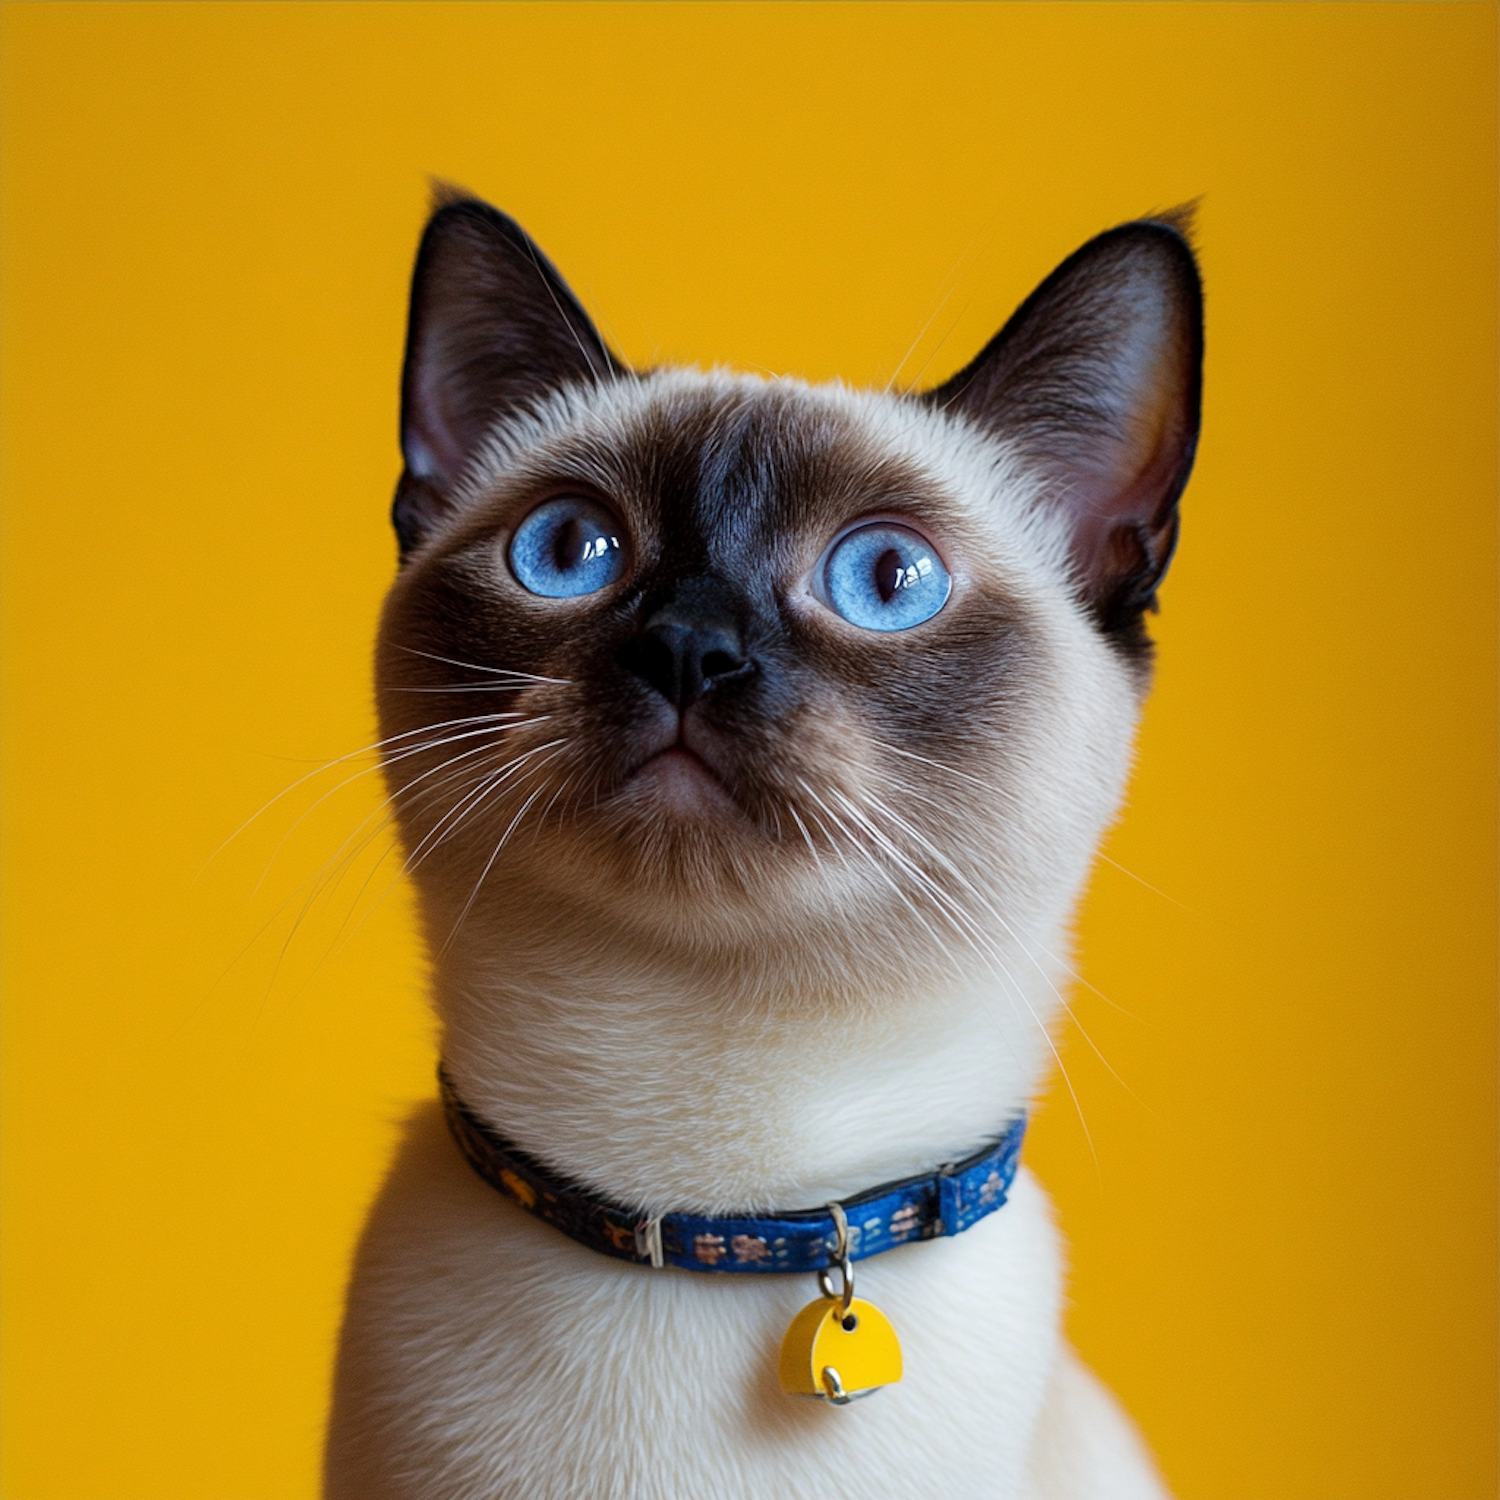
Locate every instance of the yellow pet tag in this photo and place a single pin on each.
(839, 1353)
(839, 1347)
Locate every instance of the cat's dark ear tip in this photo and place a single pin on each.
(1168, 240)
(447, 201)
(1182, 220)
(443, 194)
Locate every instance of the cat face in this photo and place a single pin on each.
(732, 662)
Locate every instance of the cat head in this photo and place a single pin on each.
(750, 667)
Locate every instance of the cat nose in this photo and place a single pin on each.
(686, 651)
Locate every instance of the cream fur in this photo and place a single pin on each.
(795, 1033)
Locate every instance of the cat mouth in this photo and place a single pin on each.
(683, 781)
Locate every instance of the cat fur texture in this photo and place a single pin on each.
(735, 903)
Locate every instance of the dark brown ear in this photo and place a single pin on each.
(1098, 379)
(492, 329)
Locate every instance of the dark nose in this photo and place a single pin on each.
(689, 647)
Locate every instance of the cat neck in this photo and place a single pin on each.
(686, 1086)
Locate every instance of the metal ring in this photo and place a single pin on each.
(846, 1295)
(841, 1259)
(841, 1224)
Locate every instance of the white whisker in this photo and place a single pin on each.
(340, 760)
(404, 754)
(474, 666)
(495, 854)
(807, 837)
(450, 822)
(957, 915)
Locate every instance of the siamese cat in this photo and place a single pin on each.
(750, 742)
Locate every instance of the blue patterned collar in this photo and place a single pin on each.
(895, 1213)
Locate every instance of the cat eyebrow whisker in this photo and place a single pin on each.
(936, 349)
(952, 279)
(535, 258)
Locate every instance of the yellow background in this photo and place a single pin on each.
(1283, 1239)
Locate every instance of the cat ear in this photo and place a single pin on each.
(1098, 380)
(492, 328)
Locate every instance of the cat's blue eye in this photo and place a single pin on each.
(885, 577)
(567, 547)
